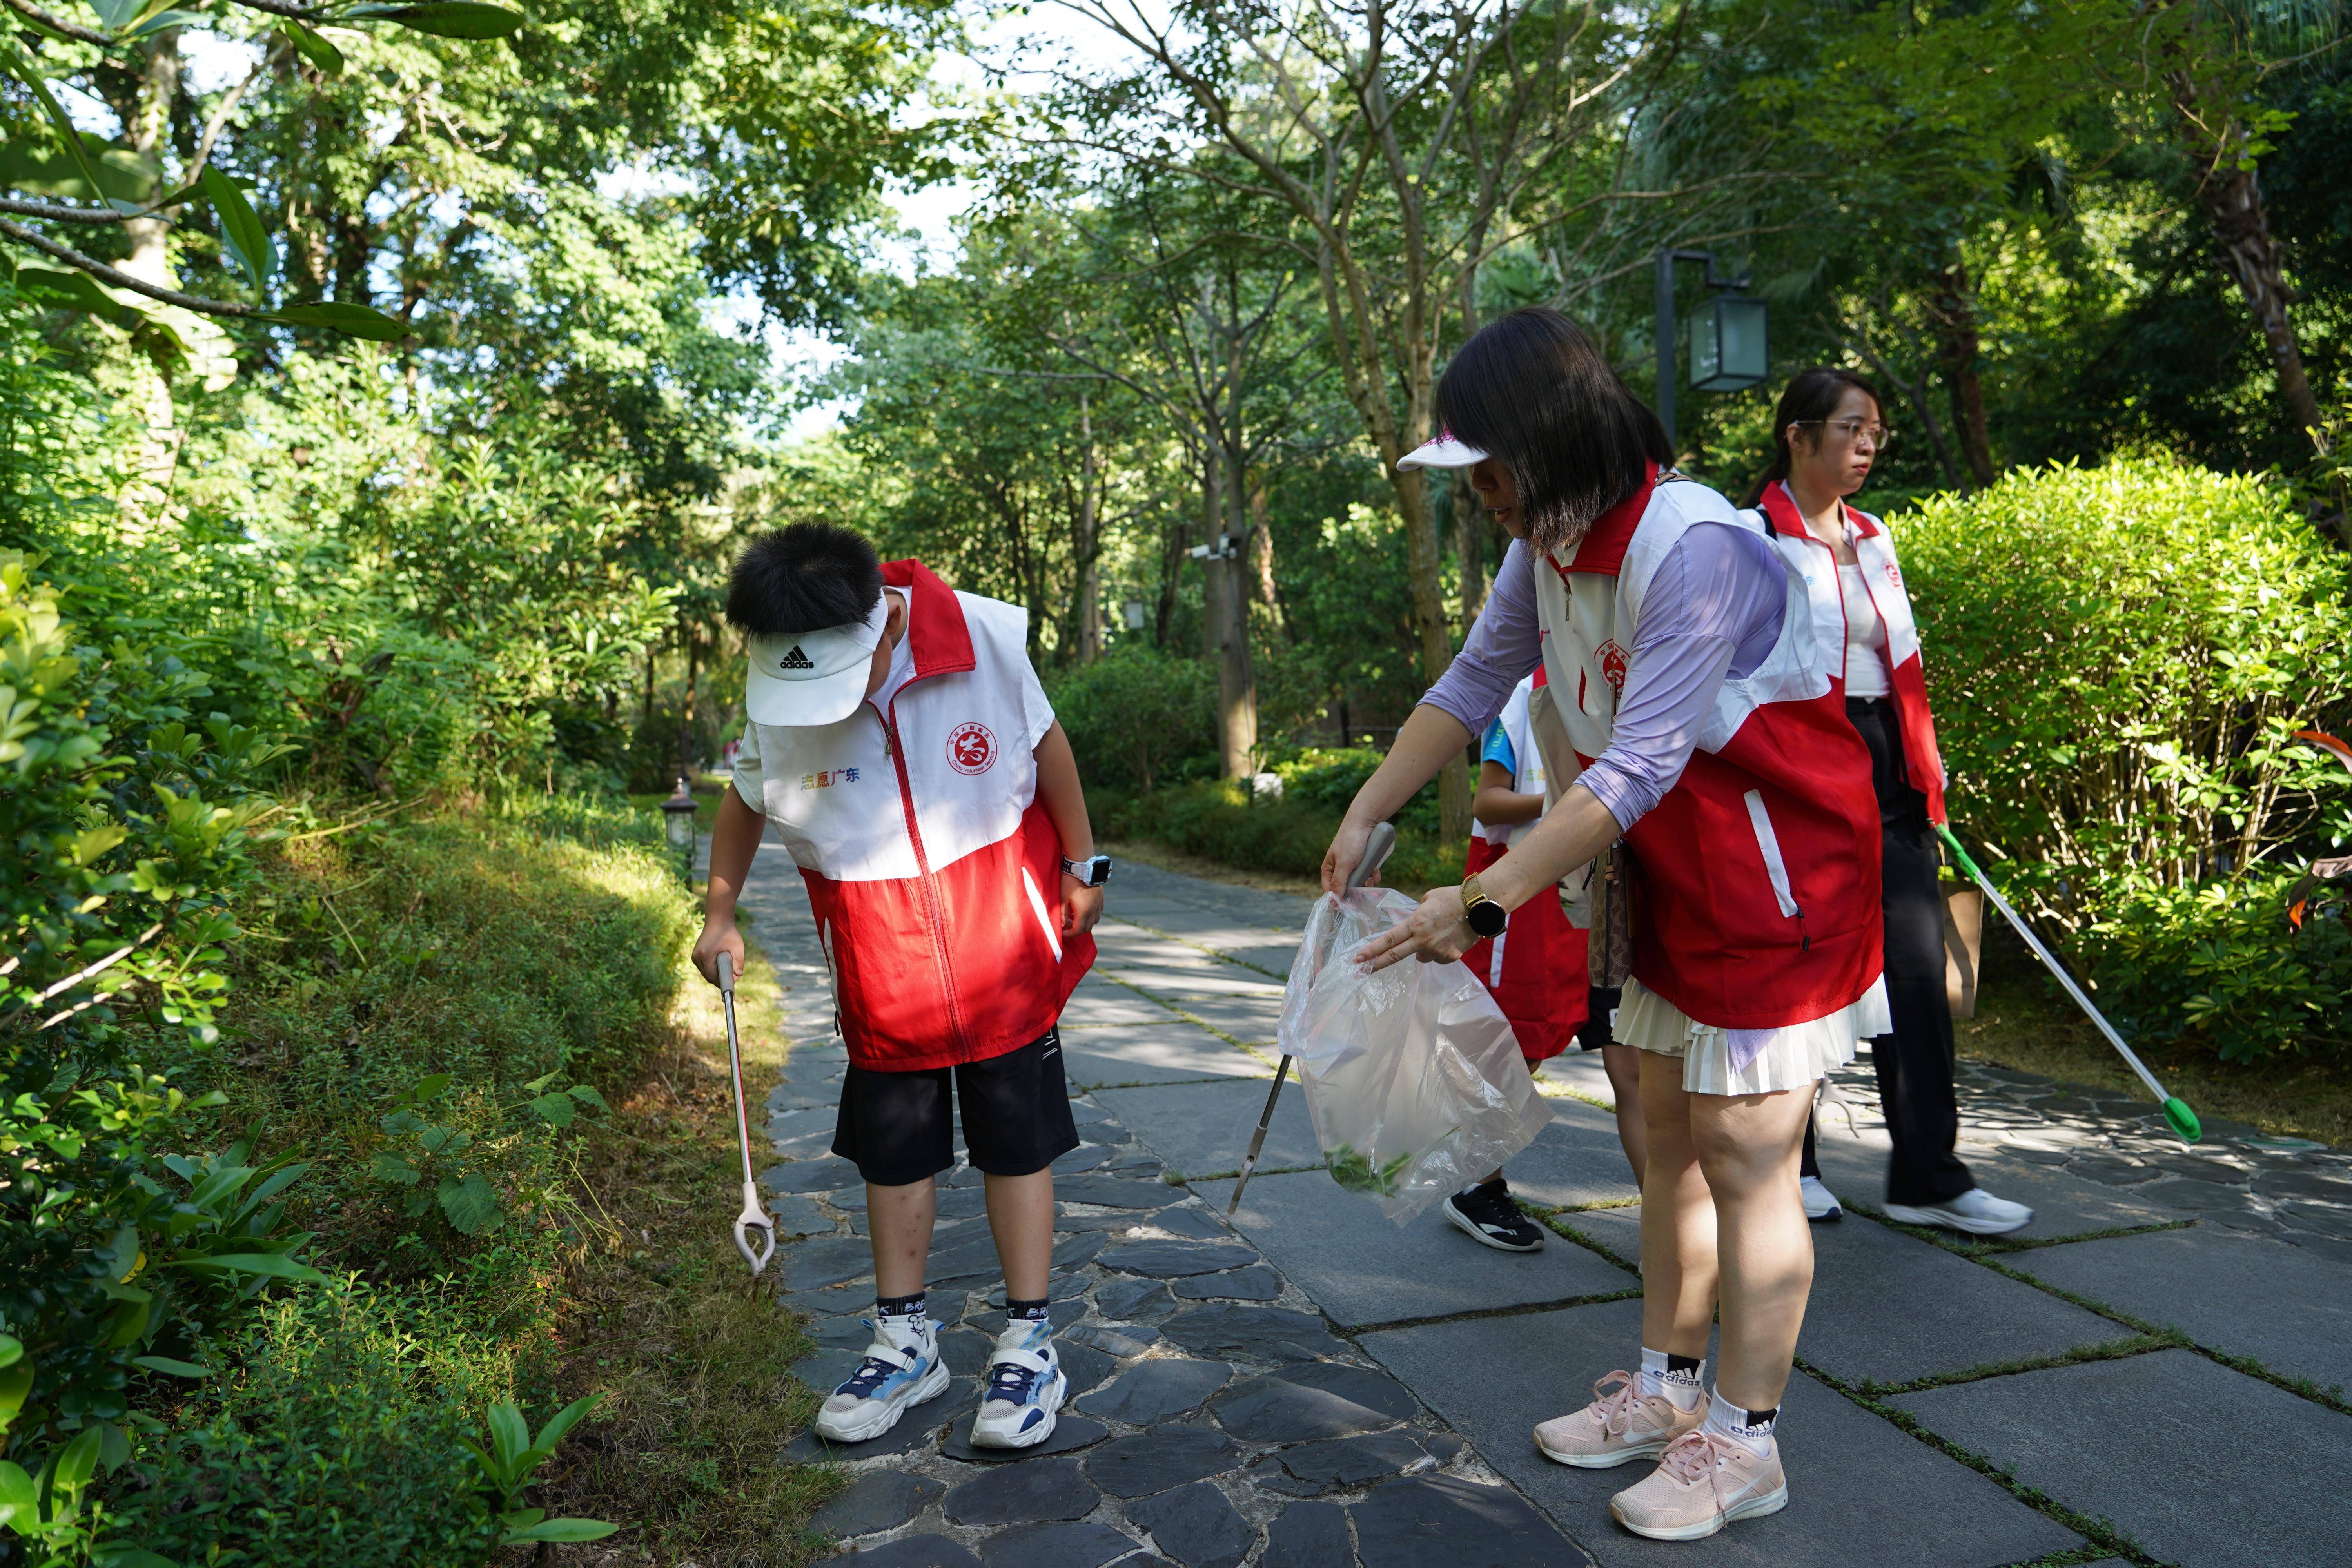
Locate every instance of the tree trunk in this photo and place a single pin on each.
(2230, 196)
(686, 712)
(1261, 546)
(1956, 350)
(1470, 544)
(1087, 611)
(1225, 629)
(1453, 791)
(146, 499)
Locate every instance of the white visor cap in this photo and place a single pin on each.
(1444, 452)
(813, 677)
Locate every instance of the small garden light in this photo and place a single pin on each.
(678, 815)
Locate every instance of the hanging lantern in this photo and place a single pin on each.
(1728, 352)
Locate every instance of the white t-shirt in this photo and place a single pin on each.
(1866, 673)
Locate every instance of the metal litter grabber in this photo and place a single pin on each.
(2183, 1120)
(753, 1217)
(1377, 845)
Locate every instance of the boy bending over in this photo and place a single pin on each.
(901, 747)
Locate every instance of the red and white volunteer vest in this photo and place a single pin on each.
(1882, 576)
(935, 874)
(1756, 899)
(1538, 970)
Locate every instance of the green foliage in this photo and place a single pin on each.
(2219, 966)
(1132, 712)
(344, 1436)
(1217, 820)
(2118, 658)
(509, 1463)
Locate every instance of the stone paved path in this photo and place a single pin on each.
(2154, 1372)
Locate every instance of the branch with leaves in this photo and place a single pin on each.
(124, 25)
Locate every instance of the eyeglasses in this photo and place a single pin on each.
(1850, 432)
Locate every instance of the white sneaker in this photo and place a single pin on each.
(1025, 1386)
(902, 1368)
(1976, 1211)
(1821, 1204)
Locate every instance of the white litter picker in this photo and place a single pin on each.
(754, 1217)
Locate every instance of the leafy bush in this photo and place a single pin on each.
(1135, 710)
(342, 1438)
(2118, 658)
(2219, 965)
(1217, 820)
(1329, 777)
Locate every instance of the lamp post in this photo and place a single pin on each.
(1729, 349)
(677, 823)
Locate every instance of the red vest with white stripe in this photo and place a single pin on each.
(1757, 899)
(1873, 549)
(935, 873)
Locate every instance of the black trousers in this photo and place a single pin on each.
(1914, 1062)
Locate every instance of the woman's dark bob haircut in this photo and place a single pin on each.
(1533, 392)
(1811, 397)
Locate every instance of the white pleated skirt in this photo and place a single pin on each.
(1793, 1057)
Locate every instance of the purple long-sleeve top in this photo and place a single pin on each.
(1713, 611)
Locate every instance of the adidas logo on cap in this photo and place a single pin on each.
(795, 660)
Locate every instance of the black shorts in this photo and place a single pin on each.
(1595, 1032)
(897, 1127)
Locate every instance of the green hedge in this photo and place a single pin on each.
(2118, 658)
(1135, 713)
(1217, 820)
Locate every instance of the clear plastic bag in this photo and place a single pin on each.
(1413, 1076)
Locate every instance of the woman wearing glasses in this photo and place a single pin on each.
(1827, 432)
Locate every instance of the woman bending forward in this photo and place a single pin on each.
(1700, 728)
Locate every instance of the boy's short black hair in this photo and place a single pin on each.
(804, 578)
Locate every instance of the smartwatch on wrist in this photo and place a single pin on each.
(1484, 917)
(1094, 871)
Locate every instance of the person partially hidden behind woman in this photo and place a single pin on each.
(1827, 432)
(1680, 656)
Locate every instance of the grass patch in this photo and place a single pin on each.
(2025, 1023)
(660, 1311)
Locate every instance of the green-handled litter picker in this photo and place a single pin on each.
(2176, 1109)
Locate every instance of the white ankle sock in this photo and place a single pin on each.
(1726, 1419)
(1684, 1388)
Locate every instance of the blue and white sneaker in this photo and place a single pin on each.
(902, 1367)
(1026, 1387)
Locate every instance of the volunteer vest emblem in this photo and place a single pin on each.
(795, 660)
(1612, 659)
(971, 748)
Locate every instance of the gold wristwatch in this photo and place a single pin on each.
(1486, 917)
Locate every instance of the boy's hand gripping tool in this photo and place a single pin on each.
(753, 1217)
(1377, 845)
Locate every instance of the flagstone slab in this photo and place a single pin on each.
(1256, 1283)
(1310, 1401)
(1208, 978)
(1095, 1003)
(811, 1264)
(1157, 1391)
(1309, 1535)
(1254, 1021)
(1251, 1334)
(2245, 1296)
(1444, 1522)
(1024, 1494)
(880, 1501)
(823, 1175)
(1173, 1052)
(2192, 1462)
(1312, 1469)
(1135, 1300)
(1162, 1458)
(1362, 1268)
(1575, 1160)
(1206, 1128)
(1117, 1192)
(1083, 1546)
(1953, 1314)
(915, 1551)
(1861, 1492)
(1195, 1525)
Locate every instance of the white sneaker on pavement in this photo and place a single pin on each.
(1821, 1204)
(1977, 1212)
(902, 1368)
(1026, 1387)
